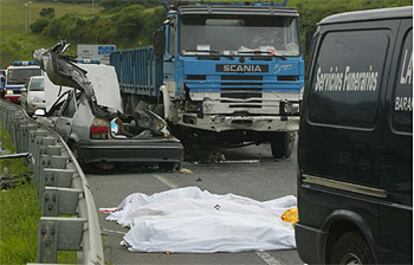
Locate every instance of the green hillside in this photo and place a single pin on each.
(14, 43)
(124, 23)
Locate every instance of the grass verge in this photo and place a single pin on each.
(19, 215)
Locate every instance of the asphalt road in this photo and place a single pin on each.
(248, 171)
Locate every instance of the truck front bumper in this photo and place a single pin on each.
(131, 150)
(220, 123)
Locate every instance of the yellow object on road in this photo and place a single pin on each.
(290, 215)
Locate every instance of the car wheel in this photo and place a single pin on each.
(282, 144)
(75, 151)
(351, 249)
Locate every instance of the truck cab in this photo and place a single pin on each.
(239, 70)
(224, 74)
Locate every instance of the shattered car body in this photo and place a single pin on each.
(90, 116)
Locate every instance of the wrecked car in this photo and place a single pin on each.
(90, 116)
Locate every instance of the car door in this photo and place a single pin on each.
(64, 121)
(396, 165)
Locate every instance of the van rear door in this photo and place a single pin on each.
(396, 167)
(341, 125)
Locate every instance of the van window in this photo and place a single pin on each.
(402, 104)
(346, 78)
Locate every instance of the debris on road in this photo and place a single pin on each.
(216, 157)
(185, 171)
(290, 215)
(107, 210)
(191, 220)
(199, 180)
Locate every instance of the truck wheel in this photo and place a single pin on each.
(351, 249)
(282, 144)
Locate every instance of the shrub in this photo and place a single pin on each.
(39, 25)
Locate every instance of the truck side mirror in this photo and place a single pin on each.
(159, 43)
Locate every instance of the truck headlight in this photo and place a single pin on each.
(289, 108)
(294, 108)
(9, 92)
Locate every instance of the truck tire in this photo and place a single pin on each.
(351, 249)
(282, 144)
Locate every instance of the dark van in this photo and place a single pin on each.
(355, 141)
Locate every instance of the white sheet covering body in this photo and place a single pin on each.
(191, 220)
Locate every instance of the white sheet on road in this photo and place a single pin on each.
(191, 220)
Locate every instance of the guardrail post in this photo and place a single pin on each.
(43, 143)
(58, 177)
(27, 128)
(58, 162)
(47, 249)
(35, 146)
(58, 233)
(55, 150)
(60, 201)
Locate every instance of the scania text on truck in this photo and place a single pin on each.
(224, 74)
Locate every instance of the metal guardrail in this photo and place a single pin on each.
(69, 220)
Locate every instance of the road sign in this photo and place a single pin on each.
(95, 52)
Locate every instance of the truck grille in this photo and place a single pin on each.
(241, 86)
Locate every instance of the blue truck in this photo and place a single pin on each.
(224, 74)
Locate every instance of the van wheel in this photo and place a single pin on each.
(351, 249)
(282, 144)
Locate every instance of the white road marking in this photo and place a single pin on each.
(269, 259)
(266, 257)
(166, 181)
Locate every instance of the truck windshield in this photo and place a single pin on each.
(20, 76)
(266, 35)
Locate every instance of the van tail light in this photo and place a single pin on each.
(99, 129)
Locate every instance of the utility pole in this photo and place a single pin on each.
(93, 6)
(25, 20)
(30, 14)
(28, 20)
